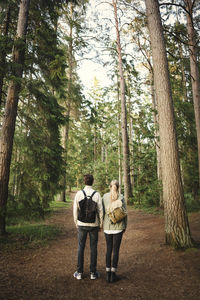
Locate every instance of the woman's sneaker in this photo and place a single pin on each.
(94, 276)
(78, 275)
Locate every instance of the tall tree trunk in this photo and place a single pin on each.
(194, 70)
(65, 135)
(102, 146)
(130, 136)
(147, 56)
(8, 126)
(184, 81)
(177, 232)
(68, 104)
(157, 141)
(106, 164)
(131, 153)
(126, 158)
(3, 52)
(119, 140)
(95, 144)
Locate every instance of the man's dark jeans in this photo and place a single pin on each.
(83, 231)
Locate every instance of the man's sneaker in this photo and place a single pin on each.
(94, 275)
(78, 275)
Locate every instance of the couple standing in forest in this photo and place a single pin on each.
(92, 214)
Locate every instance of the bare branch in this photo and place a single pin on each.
(174, 4)
(193, 3)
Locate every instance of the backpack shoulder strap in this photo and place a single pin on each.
(84, 193)
(92, 194)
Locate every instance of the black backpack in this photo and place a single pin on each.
(88, 209)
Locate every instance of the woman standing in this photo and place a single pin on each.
(113, 232)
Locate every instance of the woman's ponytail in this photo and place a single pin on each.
(114, 190)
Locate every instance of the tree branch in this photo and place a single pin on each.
(174, 4)
(175, 36)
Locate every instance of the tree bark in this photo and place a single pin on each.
(194, 70)
(131, 150)
(157, 141)
(95, 145)
(8, 126)
(125, 145)
(3, 52)
(119, 139)
(184, 81)
(177, 232)
(65, 139)
(68, 104)
(147, 56)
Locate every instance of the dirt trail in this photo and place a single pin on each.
(148, 269)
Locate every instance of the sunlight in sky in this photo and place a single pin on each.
(89, 70)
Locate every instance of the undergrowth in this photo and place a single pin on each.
(147, 209)
(30, 231)
(28, 236)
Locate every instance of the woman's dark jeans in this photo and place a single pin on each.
(113, 242)
(83, 231)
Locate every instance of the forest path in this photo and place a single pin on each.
(149, 270)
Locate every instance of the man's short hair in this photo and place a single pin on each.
(88, 179)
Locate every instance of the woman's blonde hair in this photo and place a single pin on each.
(114, 190)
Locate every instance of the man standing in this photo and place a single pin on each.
(88, 218)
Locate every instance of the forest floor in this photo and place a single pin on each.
(148, 269)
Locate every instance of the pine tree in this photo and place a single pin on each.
(177, 230)
(126, 158)
(8, 127)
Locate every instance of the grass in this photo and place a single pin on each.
(29, 236)
(58, 204)
(23, 233)
(160, 211)
(19, 215)
(154, 210)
